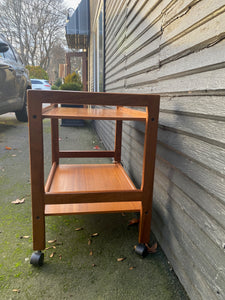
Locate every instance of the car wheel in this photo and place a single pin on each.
(21, 115)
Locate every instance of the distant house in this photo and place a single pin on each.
(176, 49)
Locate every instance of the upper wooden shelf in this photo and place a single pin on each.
(94, 113)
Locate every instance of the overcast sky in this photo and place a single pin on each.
(71, 3)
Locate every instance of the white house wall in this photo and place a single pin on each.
(177, 49)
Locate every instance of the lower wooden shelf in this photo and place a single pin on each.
(92, 208)
(88, 178)
(92, 182)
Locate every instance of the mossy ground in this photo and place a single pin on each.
(70, 273)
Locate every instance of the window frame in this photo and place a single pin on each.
(97, 60)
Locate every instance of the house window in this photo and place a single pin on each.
(98, 49)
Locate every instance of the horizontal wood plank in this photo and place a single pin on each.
(74, 97)
(92, 208)
(77, 153)
(94, 113)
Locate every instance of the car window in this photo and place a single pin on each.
(35, 81)
(9, 54)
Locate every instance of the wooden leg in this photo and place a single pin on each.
(145, 225)
(37, 173)
(55, 140)
(118, 141)
(38, 223)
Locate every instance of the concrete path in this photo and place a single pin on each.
(78, 266)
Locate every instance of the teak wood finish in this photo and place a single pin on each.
(89, 188)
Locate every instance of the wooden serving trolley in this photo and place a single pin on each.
(89, 188)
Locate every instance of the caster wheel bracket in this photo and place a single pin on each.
(37, 258)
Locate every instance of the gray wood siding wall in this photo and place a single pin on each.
(177, 49)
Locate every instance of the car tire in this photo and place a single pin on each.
(21, 115)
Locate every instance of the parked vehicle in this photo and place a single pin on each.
(14, 82)
(40, 84)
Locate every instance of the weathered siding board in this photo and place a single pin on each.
(193, 261)
(205, 106)
(214, 207)
(116, 34)
(208, 180)
(209, 155)
(206, 129)
(211, 231)
(177, 259)
(210, 80)
(177, 49)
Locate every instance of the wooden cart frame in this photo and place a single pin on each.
(68, 189)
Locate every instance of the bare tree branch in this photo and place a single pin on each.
(33, 27)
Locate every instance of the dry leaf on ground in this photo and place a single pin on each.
(8, 148)
(94, 234)
(152, 249)
(52, 247)
(25, 237)
(16, 290)
(89, 242)
(51, 241)
(121, 259)
(133, 222)
(18, 201)
(91, 253)
(52, 254)
(79, 229)
(131, 268)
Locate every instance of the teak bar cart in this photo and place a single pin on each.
(89, 188)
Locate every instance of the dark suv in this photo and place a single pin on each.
(14, 82)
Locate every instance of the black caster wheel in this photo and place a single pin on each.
(141, 250)
(37, 258)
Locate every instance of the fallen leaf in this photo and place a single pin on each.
(51, 241)
(60, 256)
(91, 253)
(16, 290)
(25, 237)
(121, 259)
(94, 234)
(51, 247)
(14, 155)
(8, 148)
(79, 229)
(96, 147)
(131, 268)
(152, 249)
(18, 201)
(52, 254)
(133, 222)
(93, 265)
(89, 242)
